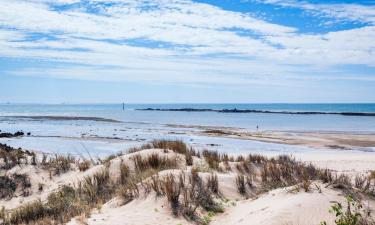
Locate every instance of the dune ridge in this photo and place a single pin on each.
(168, 182)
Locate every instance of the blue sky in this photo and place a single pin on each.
(105, 51)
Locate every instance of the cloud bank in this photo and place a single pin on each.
(179, 41)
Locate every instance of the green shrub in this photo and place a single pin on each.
(352, 214)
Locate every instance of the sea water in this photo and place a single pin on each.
(137, 127)
(265, 121)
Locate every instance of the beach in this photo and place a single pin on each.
(187, 112)
(82, 130)
(93, 136)
(101, 130)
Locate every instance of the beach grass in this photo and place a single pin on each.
(188, 194)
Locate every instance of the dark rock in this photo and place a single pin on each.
(10, 135)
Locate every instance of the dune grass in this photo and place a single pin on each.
(65, 203)
(9, 185)
(174, 145)
(11, 157)
(187, 193)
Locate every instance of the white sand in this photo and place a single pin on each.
(279, 207)
(337, 160)
(145, 211)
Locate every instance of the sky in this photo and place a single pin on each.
(185, 51)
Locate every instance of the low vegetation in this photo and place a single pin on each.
(188, 194)
(351, 214)
(240, 181)
(9, 185)
(57, 164)
(84, 165)
(10, 157)
(176, 146)
(212, 158)
(66, 203)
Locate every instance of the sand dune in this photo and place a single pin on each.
(289, 205)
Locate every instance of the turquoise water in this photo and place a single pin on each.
(247, 120)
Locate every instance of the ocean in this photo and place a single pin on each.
(136, 127)
(269, 121)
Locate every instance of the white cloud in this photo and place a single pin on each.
(341, 11)
(355, 46)
(185, 42)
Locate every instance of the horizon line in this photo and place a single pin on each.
(167, 103)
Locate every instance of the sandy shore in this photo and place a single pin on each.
(350, 162)
(331, 140)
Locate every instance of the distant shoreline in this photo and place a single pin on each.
(260, 111)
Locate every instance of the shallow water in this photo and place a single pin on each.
(281, 122)
(99, 138)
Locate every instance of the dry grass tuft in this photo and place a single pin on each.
(359, 181)
(342, 182)
(153, 161)
(212, 158)
(325, 176)
(240, 182)
(27, 213)
(172, 190)
(175, 145)
(11, 156)
(124, 174)
(155, 185)
(7, 187)
(213, 183)
(10, 184)
(84, 165)
(58, 164)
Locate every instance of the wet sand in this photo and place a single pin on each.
(331, 140)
